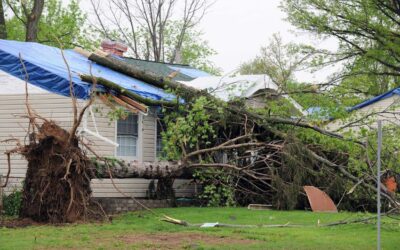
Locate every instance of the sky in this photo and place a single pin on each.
(236, 30)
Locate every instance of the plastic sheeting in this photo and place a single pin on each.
(46, 69)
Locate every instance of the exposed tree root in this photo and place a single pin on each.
(57, 184)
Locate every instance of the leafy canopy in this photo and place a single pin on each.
(368, 35)
(64, 23)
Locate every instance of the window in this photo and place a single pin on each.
(127, 136)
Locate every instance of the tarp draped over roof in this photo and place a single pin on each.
(46, 69)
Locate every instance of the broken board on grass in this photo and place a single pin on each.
(319, 200)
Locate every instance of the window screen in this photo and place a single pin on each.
(127, 136)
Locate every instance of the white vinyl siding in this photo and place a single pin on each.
(148, 135)
(51, 106)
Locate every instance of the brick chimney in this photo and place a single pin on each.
(114, 47)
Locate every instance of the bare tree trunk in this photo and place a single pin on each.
(33, 20)
(3, 30)
(143, 24)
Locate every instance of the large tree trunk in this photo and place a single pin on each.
(32, 22)
(147, 170)
(124, 92)
(148, 77)
(3, 30)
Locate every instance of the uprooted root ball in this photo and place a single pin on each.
(57, 184)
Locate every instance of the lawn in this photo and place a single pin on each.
(144, 230)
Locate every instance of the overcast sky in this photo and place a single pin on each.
(237, 29)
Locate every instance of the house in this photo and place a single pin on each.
(135, 139)
(385, 107)
(255, 89)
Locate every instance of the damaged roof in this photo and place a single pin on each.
(47, 69)
(185, 72)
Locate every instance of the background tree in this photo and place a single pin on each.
(66, 24)
(280, 61)
(3, 30)
(29, 13)
(368, 35)
(154, 30)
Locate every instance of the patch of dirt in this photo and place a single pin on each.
(17, 223)
(181, 240)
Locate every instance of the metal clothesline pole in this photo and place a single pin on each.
(378, 185)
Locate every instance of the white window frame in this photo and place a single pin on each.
(139, 148)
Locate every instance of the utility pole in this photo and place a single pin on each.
(378, 185)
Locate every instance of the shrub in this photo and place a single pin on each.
(218, 190)
(12, 203)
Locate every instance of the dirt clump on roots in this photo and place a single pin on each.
(57, 184)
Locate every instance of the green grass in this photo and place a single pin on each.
(128, 226)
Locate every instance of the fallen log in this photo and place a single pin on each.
(242, 114)
(122, 91)
(187, 224)
(148, 77)
(147, 170)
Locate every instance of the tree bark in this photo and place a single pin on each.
(148, 77)
(3, 30)
(124, 92)
(147, 170)
(33, 21)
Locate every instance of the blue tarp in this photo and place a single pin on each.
(46, 69)
(392, 92)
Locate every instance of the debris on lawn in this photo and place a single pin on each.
(319, 200)
(259, 207)
(208, 224)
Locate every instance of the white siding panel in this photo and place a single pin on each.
(137, 187)
(59, 108)
(149, 135)
(50, 106)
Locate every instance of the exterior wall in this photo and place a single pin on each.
(137, 187)
(120, 205)
(14, 125)
(149, 137)
(256, 102)
(59, 109)
(384, 110)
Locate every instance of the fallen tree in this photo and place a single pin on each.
(57, 183)
(267, 156)
(147, 170)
